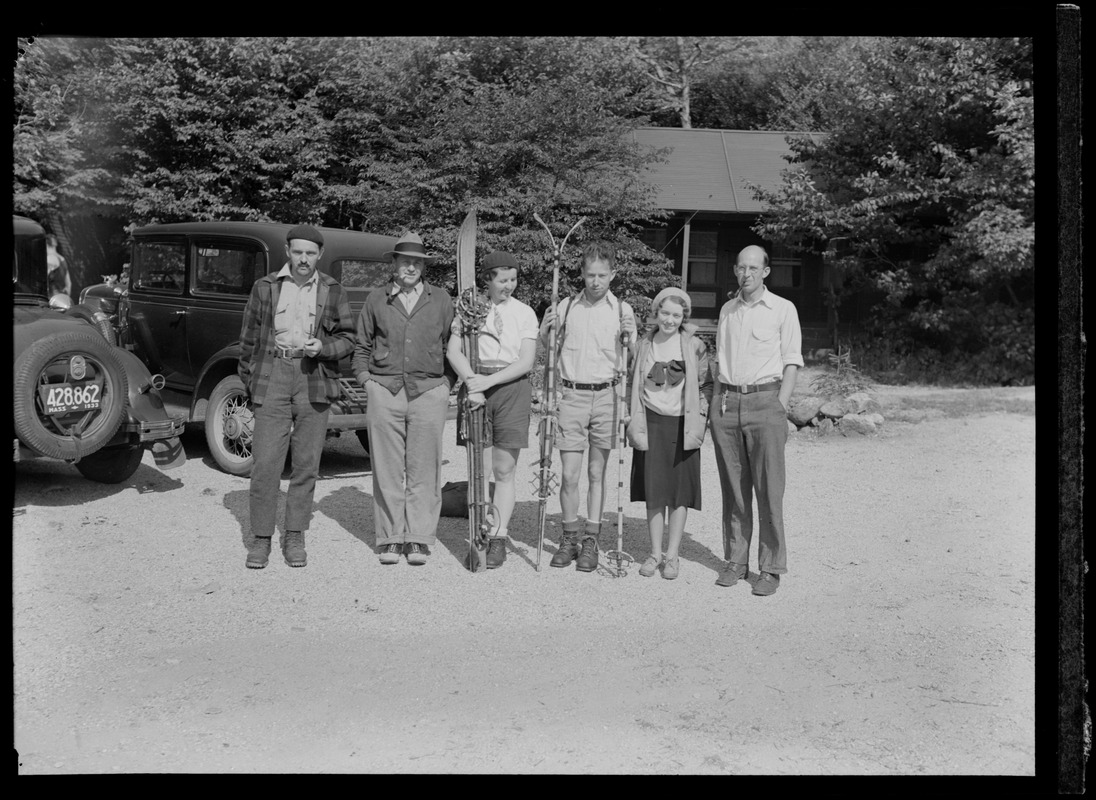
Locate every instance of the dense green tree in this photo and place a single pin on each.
(741, 88)
(508, 127)
(382, 134)
(45, 134)
(926, 180)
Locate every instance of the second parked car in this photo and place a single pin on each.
(182, 307)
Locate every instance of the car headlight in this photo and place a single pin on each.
(60, 301)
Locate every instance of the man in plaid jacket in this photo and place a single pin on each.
(296, 328)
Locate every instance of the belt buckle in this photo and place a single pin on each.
(743, 388)
(285, 352)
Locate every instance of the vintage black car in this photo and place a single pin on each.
(181, 310)
(78, 397)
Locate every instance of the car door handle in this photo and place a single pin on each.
(179, 312)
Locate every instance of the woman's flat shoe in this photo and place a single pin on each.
(650, 567)
(670, 568)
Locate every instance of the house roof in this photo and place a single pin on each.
(711, 170)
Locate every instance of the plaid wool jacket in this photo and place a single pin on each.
(334, 327)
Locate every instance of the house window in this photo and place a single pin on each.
(785, 268)
(702, 256)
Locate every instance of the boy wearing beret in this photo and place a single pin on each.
(507, 344)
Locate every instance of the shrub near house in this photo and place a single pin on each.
(182, 310)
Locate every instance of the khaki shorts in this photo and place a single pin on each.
(586, 417)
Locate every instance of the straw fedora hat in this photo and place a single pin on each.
(410, 244)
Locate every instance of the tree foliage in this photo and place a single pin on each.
(380, 134)
(926, 178)
(925, 173)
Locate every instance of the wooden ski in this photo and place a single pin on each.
(471, 309)
(546, 481)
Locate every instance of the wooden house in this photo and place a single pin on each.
(706, 185)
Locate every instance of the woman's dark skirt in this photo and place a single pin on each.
(666, 474)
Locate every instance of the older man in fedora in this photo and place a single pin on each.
(399, 358)
(296, 327)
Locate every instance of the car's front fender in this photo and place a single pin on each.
(219, 365)
(102, 297)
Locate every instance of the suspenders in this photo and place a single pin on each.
(563, 323)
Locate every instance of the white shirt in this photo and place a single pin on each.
(507, 325)
(755, 341)
(591, 351)
(295, 316)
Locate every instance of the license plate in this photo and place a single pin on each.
(64, 398)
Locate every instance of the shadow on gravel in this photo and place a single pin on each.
(523, 529)
(49, 483)
(692, 550)
(453, 534)
(352, 509)
(237, 504)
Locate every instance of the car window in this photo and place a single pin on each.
(159, 265)
(357, 274)
(227, 269)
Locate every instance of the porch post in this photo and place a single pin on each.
(685, 256)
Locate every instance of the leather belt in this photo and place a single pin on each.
(490, 370)
(750, 388)
(590, 387)
(288, 352)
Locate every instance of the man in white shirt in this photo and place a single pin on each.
(758, 353)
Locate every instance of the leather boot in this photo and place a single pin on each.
(587, 559)
(258, 552)
(568, 549)
(496, 552)
(293, 548)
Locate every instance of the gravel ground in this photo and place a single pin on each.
(900, 642)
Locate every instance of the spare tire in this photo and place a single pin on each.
(48, 363)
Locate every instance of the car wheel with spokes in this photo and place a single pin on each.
(229, 425)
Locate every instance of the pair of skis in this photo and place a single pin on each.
(472, 308)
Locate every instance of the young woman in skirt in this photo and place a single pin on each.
(671, 390)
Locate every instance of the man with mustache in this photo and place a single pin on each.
(296, 327)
